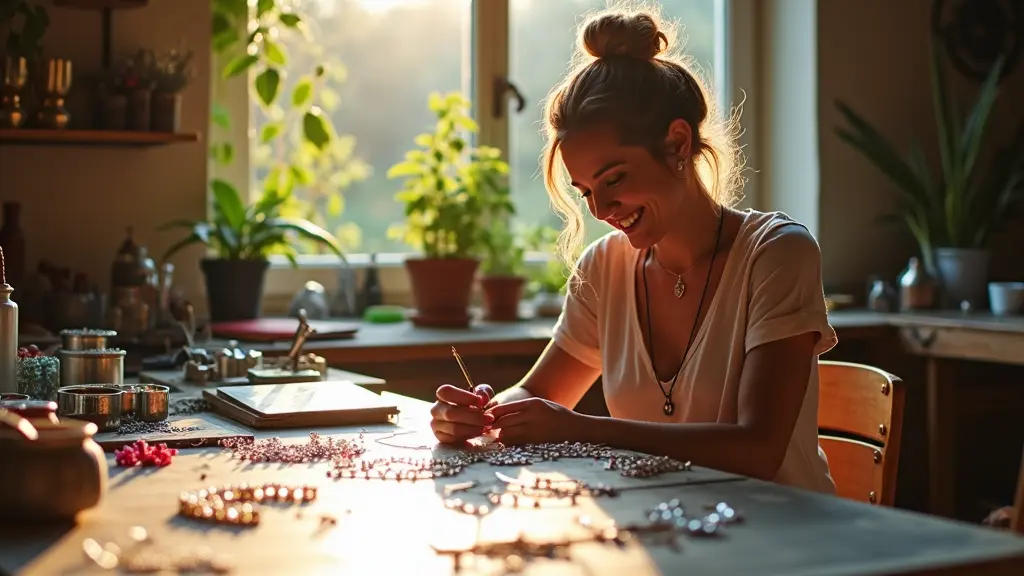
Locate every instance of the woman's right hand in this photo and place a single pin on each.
(456, 416)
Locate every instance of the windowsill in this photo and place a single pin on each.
(283, 280)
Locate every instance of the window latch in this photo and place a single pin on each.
(503, 88)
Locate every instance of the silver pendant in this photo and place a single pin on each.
(669, 408)
(680, 288)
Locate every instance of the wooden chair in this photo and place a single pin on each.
(860, 421)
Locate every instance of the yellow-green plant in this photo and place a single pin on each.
(451, 190)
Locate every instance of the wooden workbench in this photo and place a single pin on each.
(385, 527)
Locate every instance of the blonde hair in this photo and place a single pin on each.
(623, 76)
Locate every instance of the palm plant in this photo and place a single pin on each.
(964, 206)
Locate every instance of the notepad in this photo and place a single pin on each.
(301, 405)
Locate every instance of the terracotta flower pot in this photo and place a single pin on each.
(501, 297)
(441, 289)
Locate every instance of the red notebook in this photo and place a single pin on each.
(275, 329)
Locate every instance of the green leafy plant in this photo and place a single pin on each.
(965, 205)
(238, 232)
(451, 190)
(302, 162)
(25, 40)
(173, 70)
(504, 249)
(552, 277)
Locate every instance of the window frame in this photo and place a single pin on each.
(487, 59)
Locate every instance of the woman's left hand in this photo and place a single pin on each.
(534, 421)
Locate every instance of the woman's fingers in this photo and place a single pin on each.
(461, 415)
(458, 396)
(454, 430)
(511, 420)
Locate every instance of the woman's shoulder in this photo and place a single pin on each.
(608, 250)
(776, 233)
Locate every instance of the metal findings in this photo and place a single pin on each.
(673, 514)
(238, 505)
(317, 449)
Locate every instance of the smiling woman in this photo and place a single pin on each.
(724, 374)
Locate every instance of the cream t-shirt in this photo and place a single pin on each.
(770, 290)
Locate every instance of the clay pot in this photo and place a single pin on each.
(441, 289)
(501, 297)
(55, 477)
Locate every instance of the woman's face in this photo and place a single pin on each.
(625, 186)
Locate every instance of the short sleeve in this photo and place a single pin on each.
(786, 295)
(576, 331)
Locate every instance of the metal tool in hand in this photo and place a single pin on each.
(462, 366)
(303, 332)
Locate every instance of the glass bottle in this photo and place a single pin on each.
(917, 287)
(12, 240)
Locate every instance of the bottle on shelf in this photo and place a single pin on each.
(12, 239)
(372, 292)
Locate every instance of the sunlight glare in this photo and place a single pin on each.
(382, 6)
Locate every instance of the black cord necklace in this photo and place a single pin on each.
(670, 408)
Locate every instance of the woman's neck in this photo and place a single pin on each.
(693, 239)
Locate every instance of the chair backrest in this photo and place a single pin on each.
(860, 422)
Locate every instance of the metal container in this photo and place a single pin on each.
(13, 397)
(94, 403)
(152, 402)
(98, 367)
(85, 339)
(129, 397)
(8, 335)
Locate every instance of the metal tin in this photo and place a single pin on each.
(8, 336)
(129, 397)
(13, 397)
(78, 367)
(152, 402)
(85, 338)
(94, 403)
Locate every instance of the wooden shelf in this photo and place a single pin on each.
(28, 136)
(100, 4)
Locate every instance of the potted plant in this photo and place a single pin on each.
(503, 280)
(449, 191)
(172, 72)
(548, 282)
(952, 217)
(241, 238)
(22, 48)
(137, 81)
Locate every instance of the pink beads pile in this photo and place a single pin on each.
(140, 453)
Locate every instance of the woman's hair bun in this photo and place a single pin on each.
(623, 34)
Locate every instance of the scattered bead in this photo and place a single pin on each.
(141, 453)
(30, 351)
(187, 407)
(131, 426)
(317, 449)
(238, 505)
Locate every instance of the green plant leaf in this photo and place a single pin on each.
(303, 92)
(228, 203)
(315, 128)
(268, 83)
(290, 20)
(270, 131)
(239, 65)
(309, 231)
(264, 6)
(335, 204)
(275, 53)
(221, 116)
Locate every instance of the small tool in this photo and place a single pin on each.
(462, 366)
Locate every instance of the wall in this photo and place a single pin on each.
(872, 53)
(875, 55)
(77, 201)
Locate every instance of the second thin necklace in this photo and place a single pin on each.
(669, 408)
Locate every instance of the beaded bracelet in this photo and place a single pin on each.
(237, 505)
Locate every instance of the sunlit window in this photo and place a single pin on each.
(384, 57)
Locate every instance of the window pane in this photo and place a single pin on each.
(543, 36)
(384, 58)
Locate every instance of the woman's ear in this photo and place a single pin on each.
(678, 142)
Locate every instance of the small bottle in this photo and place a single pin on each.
(8, 334)
(372, 293)
(917, 288)
(882, 296)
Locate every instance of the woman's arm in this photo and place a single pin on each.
(772, 389)
(557, 376)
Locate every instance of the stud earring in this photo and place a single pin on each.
(680, 166)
